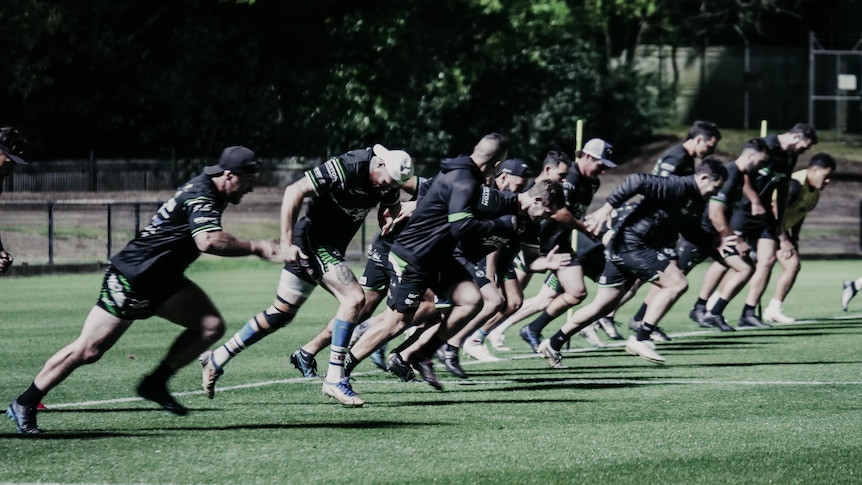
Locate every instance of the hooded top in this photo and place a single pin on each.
(445, 215)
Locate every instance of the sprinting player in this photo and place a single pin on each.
(374, 281)
(803, 195)
(12, 145)
(700, 142)
(763, 230)
(580, 185)
(555, 167)
(344, 189)
(147, 279)
(642, 247)
(423, 254)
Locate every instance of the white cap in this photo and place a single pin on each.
(398, 163)
(599, 149)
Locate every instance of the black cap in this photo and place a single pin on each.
(514, 166)
(12, 143)
(236, 159)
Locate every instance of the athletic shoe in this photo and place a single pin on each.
(379, 357)
(555, 358)
(452, 364)
(498, 341)
(716, 321)
(158, 393)
(609, 326)
(478, 351)
(24, 417)
(211, 373)
(752, 321)
(426, 370)
(41, 407)
(304, 363)
(772, 314)
(635, 325)
(643, 349)
(658, 335)
(696, 314)
(349, 364)
(342, 392)
(591, 336)
(532, 338)
(848, 293)
(400, 368)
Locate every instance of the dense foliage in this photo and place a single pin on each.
(289, 77)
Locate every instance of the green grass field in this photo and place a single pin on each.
(780, 405)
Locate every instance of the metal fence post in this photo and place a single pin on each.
(50, 233)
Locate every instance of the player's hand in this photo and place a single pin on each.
(291, 253)
(6, 260)
(555, 261)
(786, 248)
(269, 251)
(594, 222)
(757, 209)
(728, 244)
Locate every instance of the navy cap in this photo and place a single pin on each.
(236, 159)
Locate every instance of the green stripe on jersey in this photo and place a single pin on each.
(459, 216)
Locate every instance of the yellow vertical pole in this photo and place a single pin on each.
(579, 142)
(762, 128)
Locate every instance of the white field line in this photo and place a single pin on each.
(471, 362)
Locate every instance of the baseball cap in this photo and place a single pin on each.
(237, 159)
(514, 166)
(398, 163)
(12, 143)
(600, 149)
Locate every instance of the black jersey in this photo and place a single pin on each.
(671, 206)
(675, 161)
(730, 194)
(498, 205)
(381, 243)
(445, 215)
(578, 191)
(344, 197)
(166, 247)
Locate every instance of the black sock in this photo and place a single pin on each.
(558, 339)
(645, 330)
(31, 397)
(639, 315)
(747, 310)
(162, 373)
(700, 303)
(718, 308)
(540, 322)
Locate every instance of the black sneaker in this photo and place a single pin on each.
(158, 393)
(426, 370)
(752, 321)
(696, 314)
(716, 321)
(400, 368)
(532, 338)
(24, 417)
(304, 363)
(452, 363)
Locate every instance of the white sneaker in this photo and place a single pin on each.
(478, 351)
(772, 314)
(591, 336)
(555, 358)
(342, 392)
(644, 349)
(498, 341)
(211, 373)
(609, 326)
(848, 292)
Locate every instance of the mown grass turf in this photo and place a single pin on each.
(781, 405)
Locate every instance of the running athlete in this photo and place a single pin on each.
(344, 189)
(147, 278)
(642, 247)
(12, 145)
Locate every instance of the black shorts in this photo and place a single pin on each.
(641, 263)
(591, 257)
(119, 298)
(378, 271)
(750, 229)
(407, 289)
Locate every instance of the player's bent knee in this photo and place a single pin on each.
(275, 318)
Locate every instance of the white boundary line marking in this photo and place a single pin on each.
(471, 362)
